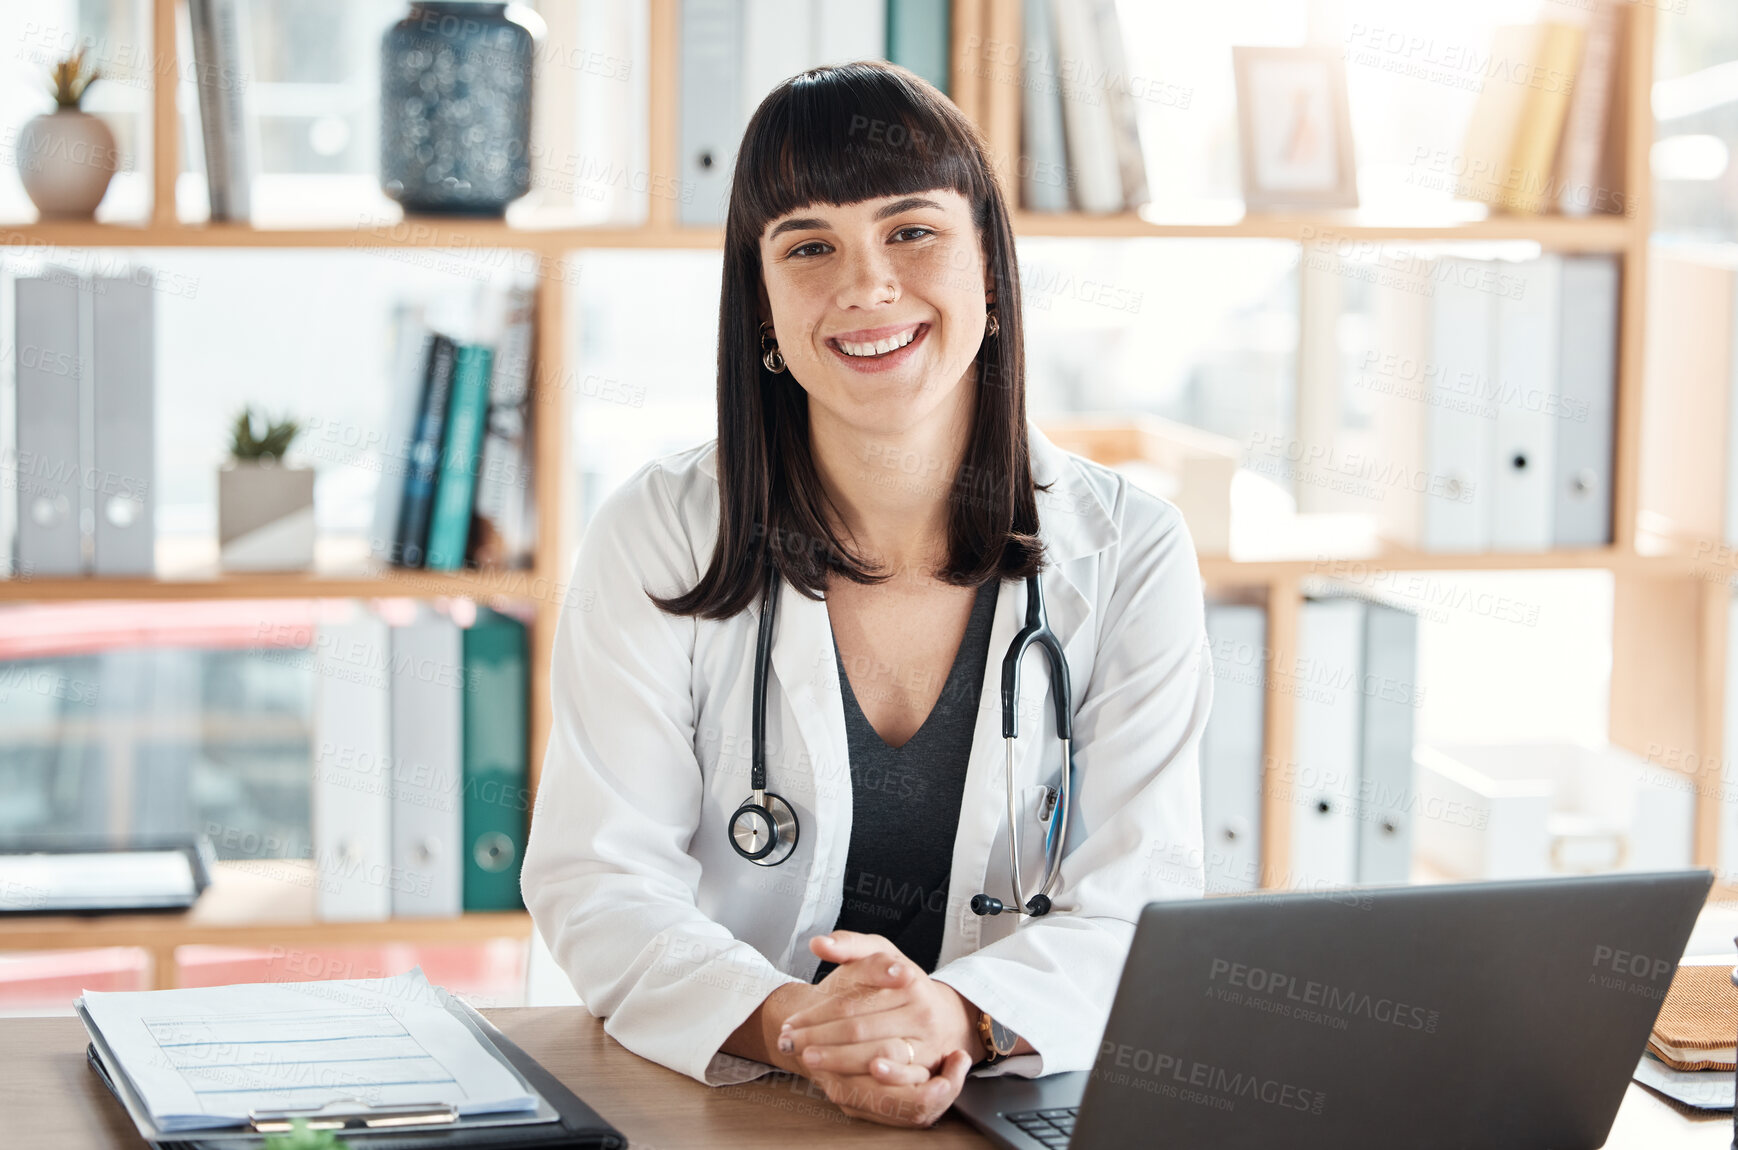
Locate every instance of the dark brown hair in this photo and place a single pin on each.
(841, 135)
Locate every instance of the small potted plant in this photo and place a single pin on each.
(265, 507)
(67, 157)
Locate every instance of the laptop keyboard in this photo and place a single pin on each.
(1052, 1128)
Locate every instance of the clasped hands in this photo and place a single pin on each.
(885, 1040)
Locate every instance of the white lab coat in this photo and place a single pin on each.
(674, 939)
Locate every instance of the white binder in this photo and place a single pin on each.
(1329, 723)
(352, 802)
(1587, 371)
(1231, 747)
(1526, 402)
(427, 780)
(777, 43)
(847, 30)
(1389, 684)
(711, 112)
(1460, 434)
(49, 376)
(124, 424)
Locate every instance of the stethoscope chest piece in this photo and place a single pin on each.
(764, 832)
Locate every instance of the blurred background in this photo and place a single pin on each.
(1434, 662)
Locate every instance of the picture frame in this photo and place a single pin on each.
(1294, 128)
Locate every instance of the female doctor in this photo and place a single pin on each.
(876, 527)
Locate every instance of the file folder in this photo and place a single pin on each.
(561, 1120)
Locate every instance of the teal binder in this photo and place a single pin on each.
(450, 528)
(497, 802)
(918, 37)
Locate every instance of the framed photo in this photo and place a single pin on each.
(1294, 128)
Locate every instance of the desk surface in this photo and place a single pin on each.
(50, 1099)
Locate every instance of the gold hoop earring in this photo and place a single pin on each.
(994, 325)
(771, 356)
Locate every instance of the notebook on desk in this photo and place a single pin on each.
(194, 1076)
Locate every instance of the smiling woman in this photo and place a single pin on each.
(804, 610)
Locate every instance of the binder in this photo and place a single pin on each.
(1460, 436)
(777, 43)
(1231, 747)
(124, 418)
(1526, 382)
(1587, 375)
(411, 349)
(711, 114)
(848, 30)
(1329, 721)
(562, 1121)
(427, 822)
(1045, 179)
(496, 800)
(48, 360)
(919, 38)
(352, 807)
(1385, 790)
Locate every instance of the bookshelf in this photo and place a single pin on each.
(1669, 629)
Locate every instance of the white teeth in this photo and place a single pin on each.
(879, 347)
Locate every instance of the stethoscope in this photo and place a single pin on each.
(764, 828)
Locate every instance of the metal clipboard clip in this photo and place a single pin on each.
(349, 1113)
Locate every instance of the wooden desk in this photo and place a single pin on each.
(50, 1099)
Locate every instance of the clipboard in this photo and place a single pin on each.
(561, 1121)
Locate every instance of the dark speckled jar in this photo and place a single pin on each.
(455, 107)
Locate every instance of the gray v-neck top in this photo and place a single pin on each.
(905, 804)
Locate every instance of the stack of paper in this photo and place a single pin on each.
(214, 1057)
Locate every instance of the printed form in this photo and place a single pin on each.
(205, 1058)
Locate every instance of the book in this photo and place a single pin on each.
(1588, 151)
(1510, 148)
(450, 519)
(919, 38)
(497, 802)
(504, 530)
(419, 482)
(410, 353)
(208, 78)
(1125, 122)
(1045, 179)
(1088, 132)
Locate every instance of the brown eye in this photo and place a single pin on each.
(800, 248)
(917, 228)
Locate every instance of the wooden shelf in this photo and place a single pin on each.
(385, 584)
(1219, 570)
(1558, 233)
(255, 903)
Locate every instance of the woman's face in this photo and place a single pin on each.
(878, 306)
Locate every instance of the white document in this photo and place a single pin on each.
(202, 1059)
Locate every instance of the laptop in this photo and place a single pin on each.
(1477, 1014)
